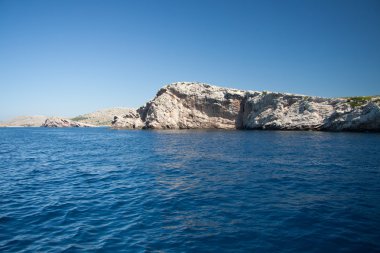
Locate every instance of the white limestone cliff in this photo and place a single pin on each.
(189, 105)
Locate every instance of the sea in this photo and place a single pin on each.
(103, 190)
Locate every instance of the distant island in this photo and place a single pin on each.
(95, 119)
(190, 105)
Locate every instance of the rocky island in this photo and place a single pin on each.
(188, 105)
(191, 105)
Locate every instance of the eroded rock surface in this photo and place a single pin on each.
(197, 105)
(131, 120)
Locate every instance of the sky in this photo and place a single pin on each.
(69, 57)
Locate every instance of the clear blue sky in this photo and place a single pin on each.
(68, 57)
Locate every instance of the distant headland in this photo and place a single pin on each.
(190, 105)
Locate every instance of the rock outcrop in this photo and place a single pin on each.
(130, 120)
(197, 105)
(59, 122)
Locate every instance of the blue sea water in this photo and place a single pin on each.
(102, 190)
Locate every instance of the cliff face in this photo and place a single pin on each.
(198, 105)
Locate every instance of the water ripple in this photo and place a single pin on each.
(97, 190)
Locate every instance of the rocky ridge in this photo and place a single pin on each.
(24, 121)
(102, 117)
(188, 105)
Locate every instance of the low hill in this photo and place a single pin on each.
(102, 117)
(24, 121)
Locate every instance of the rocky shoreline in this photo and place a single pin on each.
(189, 105)
(59, 122)
(201, 106)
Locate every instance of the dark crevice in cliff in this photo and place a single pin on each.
(239, 122)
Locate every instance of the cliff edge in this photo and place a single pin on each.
(188, 105)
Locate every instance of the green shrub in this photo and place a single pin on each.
(358, 101)
(79, 118)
